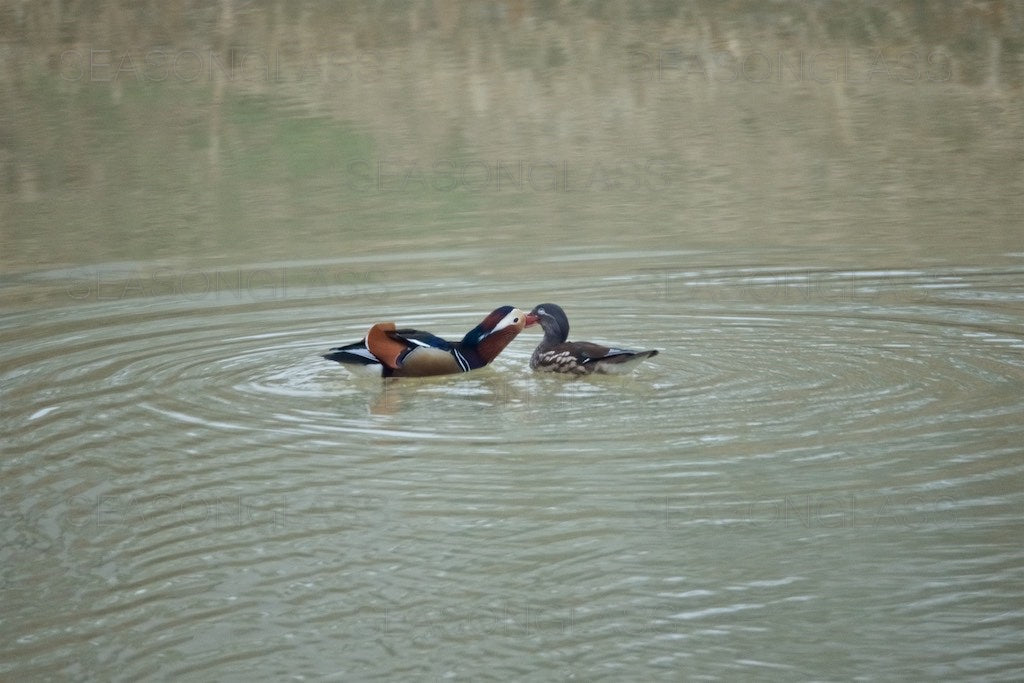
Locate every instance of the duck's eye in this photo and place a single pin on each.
(515, 320)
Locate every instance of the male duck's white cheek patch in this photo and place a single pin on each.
(507, 321)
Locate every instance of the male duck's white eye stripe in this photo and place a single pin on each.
(509, 319)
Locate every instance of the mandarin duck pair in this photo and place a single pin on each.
(413, 353)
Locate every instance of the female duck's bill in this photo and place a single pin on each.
(556, 354)
(414, 353)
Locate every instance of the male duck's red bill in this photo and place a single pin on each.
(413, 353)
(555, 354)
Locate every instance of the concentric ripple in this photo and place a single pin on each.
(198, 489)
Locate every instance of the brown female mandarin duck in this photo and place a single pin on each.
(555, 354)
(413, 353)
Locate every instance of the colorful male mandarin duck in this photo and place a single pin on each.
(412, 353)
(555, 354)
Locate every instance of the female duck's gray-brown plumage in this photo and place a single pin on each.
(556, 354)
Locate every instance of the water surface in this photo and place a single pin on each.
(819, 476)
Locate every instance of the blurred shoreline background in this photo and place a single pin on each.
(253, 131)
